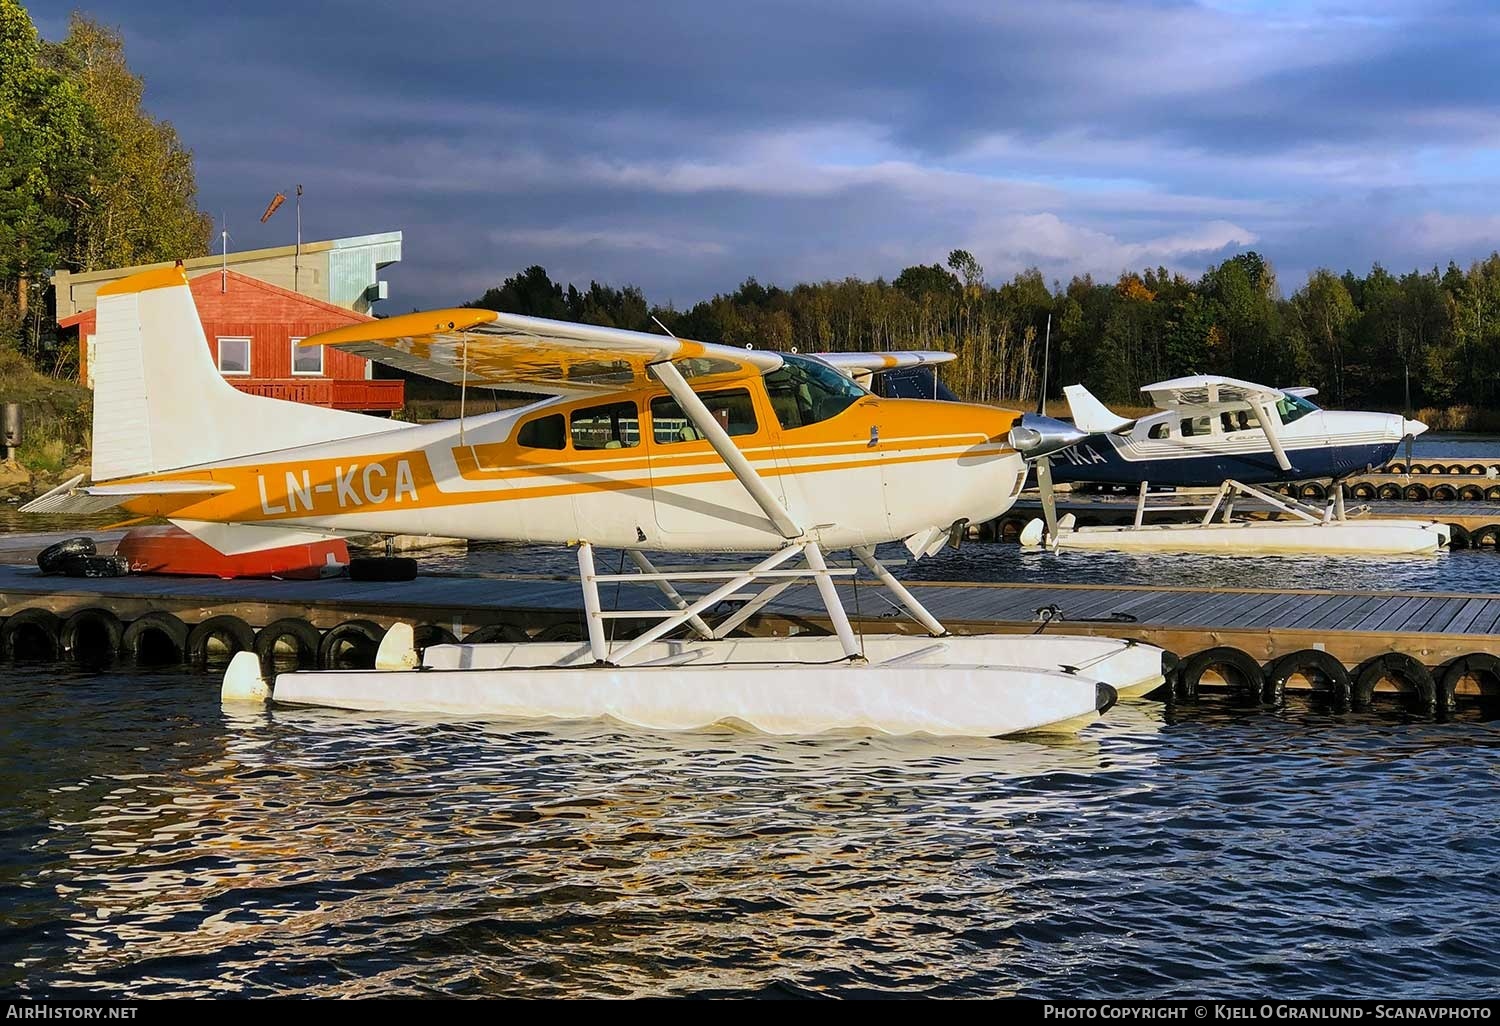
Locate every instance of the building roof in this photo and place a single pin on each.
(213, 262)
(205, 286)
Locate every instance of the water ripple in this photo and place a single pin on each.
(157, 844)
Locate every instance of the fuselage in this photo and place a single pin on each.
(1177, 447)
(626, 469)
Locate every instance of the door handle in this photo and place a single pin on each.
(874, 436)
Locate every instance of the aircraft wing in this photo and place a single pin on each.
(1209, 390)
(1212, 394)
(533, 354)
(853, 364)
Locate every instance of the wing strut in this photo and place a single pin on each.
(1270, 423)
(709, 427)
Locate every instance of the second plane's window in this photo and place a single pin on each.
(616, 426)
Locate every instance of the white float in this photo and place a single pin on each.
(1332, 530)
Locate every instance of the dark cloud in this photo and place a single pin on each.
(685, 146)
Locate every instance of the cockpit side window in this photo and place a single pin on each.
(1293, 407)
(805, 391)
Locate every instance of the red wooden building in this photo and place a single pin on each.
(252, 326)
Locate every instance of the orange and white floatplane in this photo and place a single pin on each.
(640, 442)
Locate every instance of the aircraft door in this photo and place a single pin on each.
(695, 496)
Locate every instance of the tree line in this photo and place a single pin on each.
(88, 179)
(1361, 340)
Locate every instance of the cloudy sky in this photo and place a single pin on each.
(685, 146)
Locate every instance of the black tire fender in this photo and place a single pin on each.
(1486, 537)
(426, 635)
(1252, 680)
(36, 625)
(136, 639)
(1364, 491)
(1492, 493)
(235, 634)
(561, 632)
(1400, 666)
(492, 633)
(1444, 493)
(1281, 669)
(1458, 537)
(95, 566)
(1389, 492)
(352, 644)
(1312, 490)
(303, 634)
(1471, 493)
(1171, 670)
(92, 637)
(1478, 468)
(1476, 664)
(50, 559)
(1415, 492)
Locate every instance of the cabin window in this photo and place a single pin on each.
(1192, 426)
(808, 391)
(1160, 431)
(1238, 420)
(234, 356)
(306, 359)
(544, 433)
(731, 408)
(616, 426)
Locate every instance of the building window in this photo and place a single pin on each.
(306, 359)
(234, 356)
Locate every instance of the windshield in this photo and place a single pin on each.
(808, 391)
(1293, 407)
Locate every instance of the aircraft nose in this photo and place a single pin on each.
(1412, 427)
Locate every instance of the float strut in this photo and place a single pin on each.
(866, 555)
(593, 613)
(831, 602)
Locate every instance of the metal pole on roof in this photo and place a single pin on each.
(297, 256)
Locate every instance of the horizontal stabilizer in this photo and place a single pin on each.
(239, 539)
(1090, 415)
(69, 498)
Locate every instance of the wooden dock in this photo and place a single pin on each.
(1264, 623)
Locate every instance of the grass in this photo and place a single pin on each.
(1480, 419)
(57, 415)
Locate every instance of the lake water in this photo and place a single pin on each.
(155, 844)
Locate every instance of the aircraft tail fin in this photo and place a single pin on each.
(161, 404)
(1090, 415)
